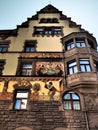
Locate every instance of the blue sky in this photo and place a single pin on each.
(83, 12)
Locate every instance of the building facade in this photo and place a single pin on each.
(48, 75)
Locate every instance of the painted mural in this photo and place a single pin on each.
(49, 68)
(47, 90)
(39, 90)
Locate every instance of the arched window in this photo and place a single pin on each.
(71, 101)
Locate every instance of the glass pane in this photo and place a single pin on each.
(23, 103)
(74, 96)
(22, 94)
(17, 104)
(32, 49)
(77, 44)
(72, 64)
(27, 49)
(67, 105)
(72, 45)
(88, 68)
(84, 62)
(75, 69)
(67, 96)
(29, 65)
(83, 44)
(70, 71)
(76, 105)
(68, 47)
(82, 68)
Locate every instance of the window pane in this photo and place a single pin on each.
(67, 105)
(17, 104)
(23, 103)
(68, 47)
(29, 65)
(70, 71)
(72, 64)
(74, 96)
(82, 68)
(84, 62)
(77, 44)
(76, 105)
(22, 94)
(75, 69)
(67, 96)
(83, 44)
(88, 68)
(72, 45)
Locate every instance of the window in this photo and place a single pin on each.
(48, 30)
(30, 46)
(80, 43)
(57, 30)
(48, 20)
(21, 97)
(85, 65)
(71, 101)
(72, 67)
(4, 47)
(26, 69)
(2, 62)
(69, 44)
(38, 30)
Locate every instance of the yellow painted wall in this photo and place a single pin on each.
(43, 43)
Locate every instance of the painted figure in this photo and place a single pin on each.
(52, 90)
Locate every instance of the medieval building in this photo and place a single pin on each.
(48, 75)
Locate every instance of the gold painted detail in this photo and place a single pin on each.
(23, 83)
(41, 55)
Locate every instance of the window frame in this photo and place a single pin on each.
(71, 101)
(80, 42)
(48, 30)
(72, 68)
(27, 70)
(26, 61)
(20, 99)
(84, 65)
(69, 44)
(4, 47)
(30, 44)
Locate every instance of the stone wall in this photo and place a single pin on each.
(41, 115)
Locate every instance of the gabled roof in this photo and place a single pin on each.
(49, 9)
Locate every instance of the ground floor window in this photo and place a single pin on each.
(21, 98)
(71, 101)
